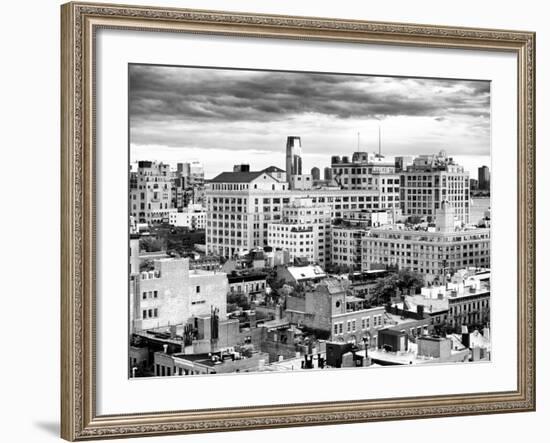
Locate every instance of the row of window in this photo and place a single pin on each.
(377, 321)
(149, 313)
(150, 294)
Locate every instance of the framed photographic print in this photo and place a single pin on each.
(282, 221)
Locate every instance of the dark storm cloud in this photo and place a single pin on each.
(174, 94)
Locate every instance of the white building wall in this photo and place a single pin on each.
(168, 295)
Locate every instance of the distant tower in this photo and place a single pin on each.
(483, 178)
(315, 173)
(327, 174)
(293, 157)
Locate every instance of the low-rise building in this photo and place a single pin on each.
(209, 363)
(464, 301)
(171, 293)
(251, 284)
(326, 307)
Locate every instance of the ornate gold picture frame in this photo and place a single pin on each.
(79, 418)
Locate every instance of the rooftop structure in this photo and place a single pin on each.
(299, 274)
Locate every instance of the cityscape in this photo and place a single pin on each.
(361, 260)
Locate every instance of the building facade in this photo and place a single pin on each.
(252, 285)
(346, 246)
(192, 217)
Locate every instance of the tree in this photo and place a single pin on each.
(150, 244)
(239, 299)
(276, 285)
(404, 279)
(415, 219)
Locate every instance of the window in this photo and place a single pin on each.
(144, 314)
(198, 289)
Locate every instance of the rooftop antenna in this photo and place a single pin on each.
(358, 141)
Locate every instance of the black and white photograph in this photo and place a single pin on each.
(306, 221)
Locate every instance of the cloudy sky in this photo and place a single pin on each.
(223, 117)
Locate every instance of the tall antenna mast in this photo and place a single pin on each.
(358, 141)
(379, 141)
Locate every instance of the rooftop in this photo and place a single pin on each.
(306, 272)
(236, 177)
(244, 176)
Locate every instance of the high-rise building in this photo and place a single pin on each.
(432, 180)
(484, 178)
(151, 192)
(293, 157)
(315, 173)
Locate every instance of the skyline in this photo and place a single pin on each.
(222, 117)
